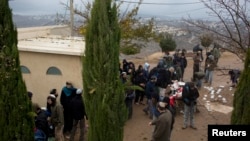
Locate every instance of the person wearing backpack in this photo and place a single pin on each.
(41, 123)
(190, 95)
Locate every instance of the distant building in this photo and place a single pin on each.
(49, 57)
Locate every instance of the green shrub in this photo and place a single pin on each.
(130, 50)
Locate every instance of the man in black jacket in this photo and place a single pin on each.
(78, 114)
(189, 95)
(41, 122)
(67, 93)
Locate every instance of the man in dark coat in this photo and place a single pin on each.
(190, 95)
(141, 81)
(150, 91)
(41, 122)
(78, 114)
(67, 93)
(163, 123)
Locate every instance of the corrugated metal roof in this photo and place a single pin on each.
(40, 39)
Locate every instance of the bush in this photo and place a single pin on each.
(167, 43)
(130, 50)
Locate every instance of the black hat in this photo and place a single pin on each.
(30, 94)
(68, 83)
(166, 100)
(53, 91)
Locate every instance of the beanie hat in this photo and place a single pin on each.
(146, 66)
(79, 91)
(52, 96)
(162, 104)
(30, 94)
(211, 57)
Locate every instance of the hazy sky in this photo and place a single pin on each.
(155, 8)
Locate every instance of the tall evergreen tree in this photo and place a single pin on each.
(15, 121)
(241, 103)
(103, 90)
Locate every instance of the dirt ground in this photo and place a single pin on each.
(137, 128)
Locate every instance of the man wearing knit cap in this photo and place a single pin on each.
(54, 92)
(78, 114)
(67, 93)
(162, 124)
(56, 121)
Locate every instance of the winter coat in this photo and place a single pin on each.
(140, 79)
(162, 78)
(189, 95)
(183, 62)
(57, 115)
(197, 59)
(66, 95)
(210, 64)
(41, 121)
(163, 125)
(150, 89)
(78, 108)
(216, 53)
(171, 76)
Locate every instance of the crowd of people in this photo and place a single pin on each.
(143, 86)
(62, 116)
(154, 84)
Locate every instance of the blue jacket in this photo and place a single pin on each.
(150, 89)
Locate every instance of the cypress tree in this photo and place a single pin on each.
(241, 103)
(103, 90)
(16, 121)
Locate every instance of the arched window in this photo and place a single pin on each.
(53, 71)
(24, 69)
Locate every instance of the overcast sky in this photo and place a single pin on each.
(155, 8)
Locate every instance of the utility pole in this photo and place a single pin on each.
(237, 14)
(71, 18)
